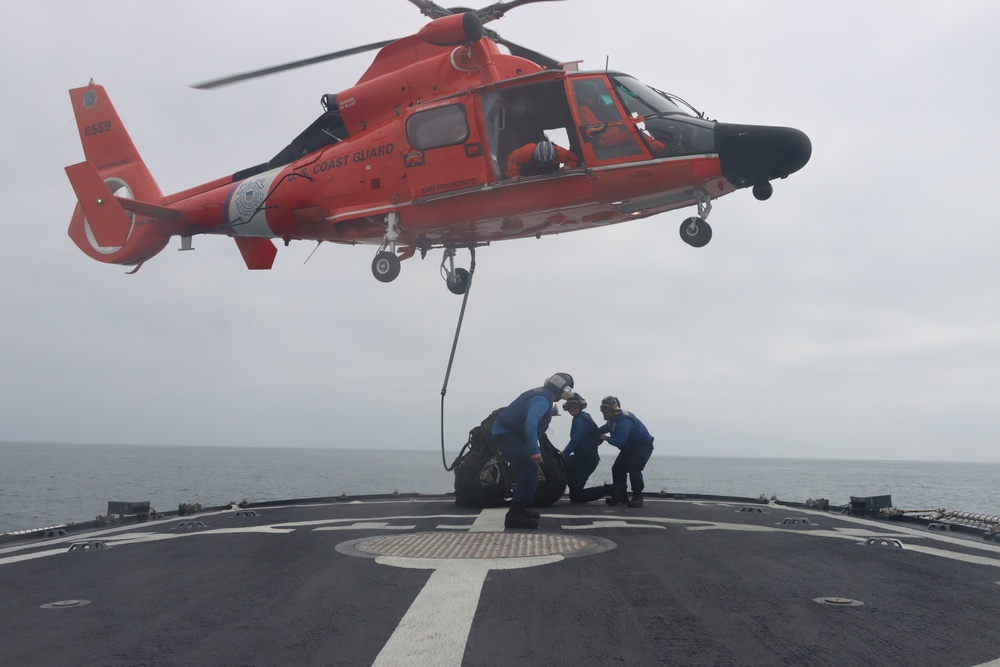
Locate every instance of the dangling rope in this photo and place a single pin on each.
(454, 345)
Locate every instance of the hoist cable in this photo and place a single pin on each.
(454, 346)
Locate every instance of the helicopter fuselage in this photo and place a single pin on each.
(424, 152)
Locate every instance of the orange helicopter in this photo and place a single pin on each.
(417, 156)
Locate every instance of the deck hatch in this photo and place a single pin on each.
(838, 602)
(478, 545)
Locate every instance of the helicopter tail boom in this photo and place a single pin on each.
(118, 218)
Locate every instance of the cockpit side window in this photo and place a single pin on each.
(434, 128)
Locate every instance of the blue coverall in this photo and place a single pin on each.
(581, 453)
(629, 435)
(515, 434)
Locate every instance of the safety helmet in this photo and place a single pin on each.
(561, 385)
(611, 404)
(544, 153)
(588, 87)
(575, 401)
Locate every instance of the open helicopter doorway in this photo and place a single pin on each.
(525, 114)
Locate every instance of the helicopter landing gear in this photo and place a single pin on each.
(457, 280)
(385, 266)
(695, 231)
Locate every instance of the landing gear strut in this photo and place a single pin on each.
(695, 231)
(456, 279)
(385, 266)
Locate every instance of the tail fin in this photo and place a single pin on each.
(100, 226)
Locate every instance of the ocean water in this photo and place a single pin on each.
(44, 485)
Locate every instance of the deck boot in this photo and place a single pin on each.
(636, 499)
(516, 518)
(532, 514)
(618, 494)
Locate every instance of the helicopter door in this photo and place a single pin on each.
(518, 115)
(607, 136)
(444, 153)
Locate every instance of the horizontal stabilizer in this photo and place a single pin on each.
(108, 221)
(148, 210)
(258, 253)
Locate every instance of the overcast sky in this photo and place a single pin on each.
(853, 315)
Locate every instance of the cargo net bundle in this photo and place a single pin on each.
(483, 477)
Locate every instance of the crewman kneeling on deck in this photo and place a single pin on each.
(515, 434)
(628, 434)
(581, 452)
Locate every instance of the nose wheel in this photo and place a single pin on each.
(695, 231)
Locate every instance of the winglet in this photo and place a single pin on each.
(106, 218)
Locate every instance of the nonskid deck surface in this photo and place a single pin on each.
(420, 581)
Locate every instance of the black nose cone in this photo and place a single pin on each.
(752, 154)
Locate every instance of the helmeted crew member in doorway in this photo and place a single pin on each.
(541, 158)
(581, 452)
(628, 434)
(515, 434)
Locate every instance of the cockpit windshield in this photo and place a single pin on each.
(641, 100)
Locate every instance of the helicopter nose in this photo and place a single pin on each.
(753, 155)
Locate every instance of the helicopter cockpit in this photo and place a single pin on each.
(664, 119)
(521, 114)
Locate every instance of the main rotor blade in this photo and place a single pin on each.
(236, 78)
(523, 52)
(433, 10)
(498, 9)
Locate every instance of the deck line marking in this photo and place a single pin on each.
(366, 525)
(490, 520)
(435, 629)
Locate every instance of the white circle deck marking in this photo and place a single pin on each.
(435, 629)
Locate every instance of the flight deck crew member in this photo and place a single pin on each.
(515, 434)
(628, 434)
(541, 158)
(581, 452)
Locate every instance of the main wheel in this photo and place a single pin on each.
(458, 282)
(385, 267)
(696, 232)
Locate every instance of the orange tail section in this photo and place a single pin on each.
(119, 218)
